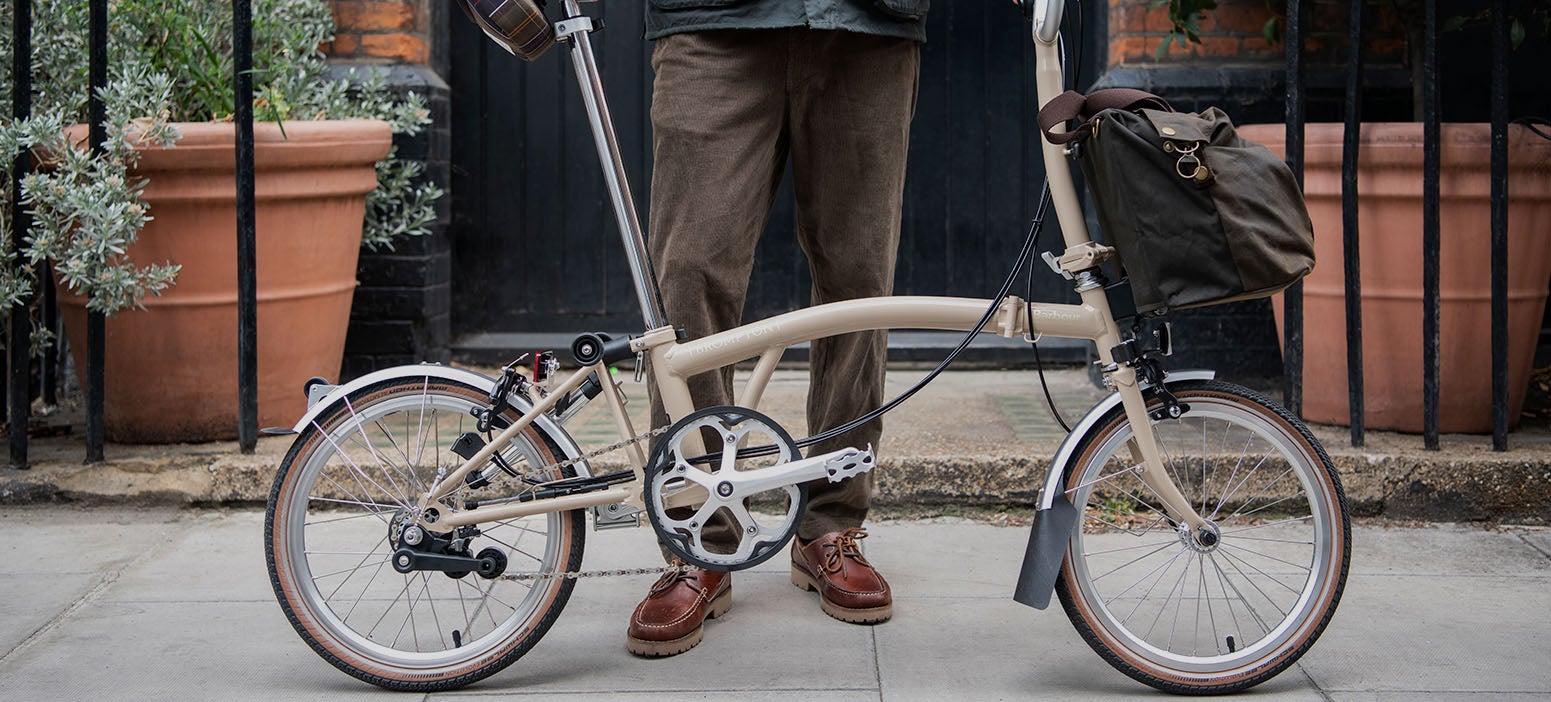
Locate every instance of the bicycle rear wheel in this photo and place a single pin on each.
(1194, 619)
(338, 501)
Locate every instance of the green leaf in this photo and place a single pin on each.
(1516, 33)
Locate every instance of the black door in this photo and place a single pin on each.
(535, 248)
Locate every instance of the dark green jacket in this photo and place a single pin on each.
(890, 18)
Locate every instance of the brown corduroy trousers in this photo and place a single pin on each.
(729, 108)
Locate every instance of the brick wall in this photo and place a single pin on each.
(402, 306)
(1234, 32)
(386, 31)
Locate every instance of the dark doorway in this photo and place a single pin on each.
(535, 248)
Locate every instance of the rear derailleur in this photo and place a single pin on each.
(421, 550)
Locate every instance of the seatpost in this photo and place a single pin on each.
(576, 29)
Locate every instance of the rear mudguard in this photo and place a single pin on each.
(427, 371)
(1056, 517)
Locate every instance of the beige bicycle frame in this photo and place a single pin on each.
(672, 362)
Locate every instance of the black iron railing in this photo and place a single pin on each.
(18, 389)
(1431, 234)
(19, 380)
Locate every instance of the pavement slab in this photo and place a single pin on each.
(176, 605)
(1437, 633)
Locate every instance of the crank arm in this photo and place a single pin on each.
(731, 486)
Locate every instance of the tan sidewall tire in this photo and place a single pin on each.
(345, 658)
(1114, 651)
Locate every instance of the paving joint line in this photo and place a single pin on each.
(1317, 689)
(1532, 545)
(877, 665)
(463, 694)
(92, 594)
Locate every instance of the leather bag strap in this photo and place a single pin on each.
(1072, 105)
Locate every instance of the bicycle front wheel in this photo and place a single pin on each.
(338, 502)
(1189, 618)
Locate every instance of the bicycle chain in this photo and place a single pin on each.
(606, 449)
(554, 468)
(575, 574)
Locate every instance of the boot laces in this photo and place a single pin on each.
(843, 547)
(680, 574)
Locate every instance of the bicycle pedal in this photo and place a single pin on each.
(853, 462)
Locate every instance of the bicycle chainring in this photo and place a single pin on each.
(734, 526)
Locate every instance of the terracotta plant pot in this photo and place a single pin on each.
(1390, 231)
(171, 369)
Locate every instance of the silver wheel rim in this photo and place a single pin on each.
(1174, 604)
(407, 621)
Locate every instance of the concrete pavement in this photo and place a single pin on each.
(175, 604)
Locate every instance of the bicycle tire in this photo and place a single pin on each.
(334, 488)
(1279, 567)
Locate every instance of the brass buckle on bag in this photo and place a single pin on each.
(1189, 165)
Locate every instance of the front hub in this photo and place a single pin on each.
(1206, 539)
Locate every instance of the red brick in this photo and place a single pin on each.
(1158, 19)
(345, 44)
(1132, 49)
(1221, 47)
(403, 48)
(1241, 19)
(376, 15)
(1128, 20)
(1387, 49)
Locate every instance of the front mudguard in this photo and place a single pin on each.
(1056, 517)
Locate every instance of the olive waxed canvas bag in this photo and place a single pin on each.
(1199, 216)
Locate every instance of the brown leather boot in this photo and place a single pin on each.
(849, 588)
(670, 620)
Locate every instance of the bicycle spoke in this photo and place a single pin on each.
(1280, 541)
(1222, 577)
(1205, 593)
(1161, 573)
(1274, 558)
(385, 612)
(360, 427)
(410, 476)
(337, 519)
(1248, 605)
(1243, 451)
(363, 564)
(1165, 606)
(379, 506)
(1268, 524)
(352, 570)
(1262, 507)
(359, 597)
(431, 602)
(357, 469)
(1242, 483)
(1134, 560)
(1131, 548)
(1235, 561)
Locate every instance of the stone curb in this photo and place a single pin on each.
(1429, 486)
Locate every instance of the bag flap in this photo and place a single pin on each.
(1178, 126)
